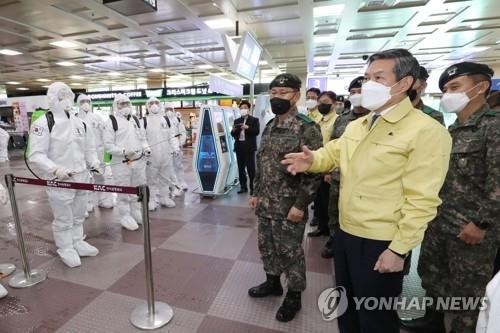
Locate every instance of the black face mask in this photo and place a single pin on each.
(412, 94)
(280, 106)
(324, 108)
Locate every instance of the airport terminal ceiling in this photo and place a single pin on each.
(90, 45)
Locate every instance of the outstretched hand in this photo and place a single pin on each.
(299, 162)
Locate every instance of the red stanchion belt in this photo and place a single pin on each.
(77, 186)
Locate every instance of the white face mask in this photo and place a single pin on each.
(125, 111)
(63, 105)
(355, 100)
(154, 109)
(243, 112)
(375, 94)
(455, 102)
(311, 103)
(85, 107)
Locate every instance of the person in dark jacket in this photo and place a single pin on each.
(245, 131)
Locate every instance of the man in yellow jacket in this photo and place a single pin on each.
(392, 163)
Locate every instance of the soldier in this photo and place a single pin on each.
(281, 199)
(338, 129)
(459, 247)
(392, 163)
(339, 104)
(416, 93)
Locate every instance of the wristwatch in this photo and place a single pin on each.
(403, 256)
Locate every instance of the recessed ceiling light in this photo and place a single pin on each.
(141, 79)
(262, 62)
(333, 10)
(45, 86)
(9, 52)
(75, 84)
(322, 58)
(76, 77)
(476, 49)
(42, 80)
(64, 44)
(22, 88)
(205, 66)
(219, 23)
(13, 82)
(326, 39)
(156, 70)
(114, 74)
(66, 63)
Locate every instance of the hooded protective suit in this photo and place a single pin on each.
(4, 142)
(95, 126)
(63, 153)
(128, 142)
(180, 134)
(164, 145)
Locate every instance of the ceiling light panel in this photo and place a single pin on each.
(64, 44)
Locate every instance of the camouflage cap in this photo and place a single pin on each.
(464, 68)
(286, 80)
(356, 83)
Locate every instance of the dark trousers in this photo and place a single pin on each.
(246, 160)
(321, 206)
(497, 263)
(355, 258)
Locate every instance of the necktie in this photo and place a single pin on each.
(374, 119)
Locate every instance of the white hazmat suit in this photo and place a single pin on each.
(127, 143)
(4, 142)
(164, 145)
(95, 127)
(3, 201)
(180, 134)
(63, 153)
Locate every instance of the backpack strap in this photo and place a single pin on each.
(114, 122)
(50, 120)
(145, 122)
(168, 121)
(137, 121)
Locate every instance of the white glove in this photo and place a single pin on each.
(3, 195)
(62, 174)
(129, 154)
(147, 151)
(95, 167)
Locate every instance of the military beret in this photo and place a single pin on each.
(340, 98)
(464, 68)
(422, 73)
(356, 83)
(286, 80)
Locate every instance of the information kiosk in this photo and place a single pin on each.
(214, 160)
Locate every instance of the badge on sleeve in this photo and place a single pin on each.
(36, 130)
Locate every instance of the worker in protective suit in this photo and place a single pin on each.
(95, 126)
(164, 145)
(125, 140)
(180, 134)
(61, 147)
(4, 142)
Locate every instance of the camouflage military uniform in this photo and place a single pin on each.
(338, 129)
(280, 241)
(471, 193)
(431, 112)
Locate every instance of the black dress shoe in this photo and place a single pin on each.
(243, 190)
(432, 322)
(317, 233)
(327, 253)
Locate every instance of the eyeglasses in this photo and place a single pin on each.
(280, 93)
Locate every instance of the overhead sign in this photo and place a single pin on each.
(247, 59)
(223, 86)
(111, 94)
(317, 82)
(191, 91)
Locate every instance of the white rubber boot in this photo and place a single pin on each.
(129, 223)
(167, 202)
(3, 291)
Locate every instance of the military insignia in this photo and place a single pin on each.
(452, 70)
(462, 162)
(282, 80)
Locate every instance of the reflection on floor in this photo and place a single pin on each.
(205, 258)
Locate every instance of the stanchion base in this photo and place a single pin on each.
(7, 269)
(21, 281)
(141, 318)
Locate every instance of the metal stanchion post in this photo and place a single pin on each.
(151, 315)
(29, 277)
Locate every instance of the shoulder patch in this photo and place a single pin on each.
(304, 118)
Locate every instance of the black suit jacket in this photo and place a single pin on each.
(250, 143)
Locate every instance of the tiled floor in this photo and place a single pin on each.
(205, 258)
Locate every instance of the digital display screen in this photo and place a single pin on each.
(207, 156)
(248, 57)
